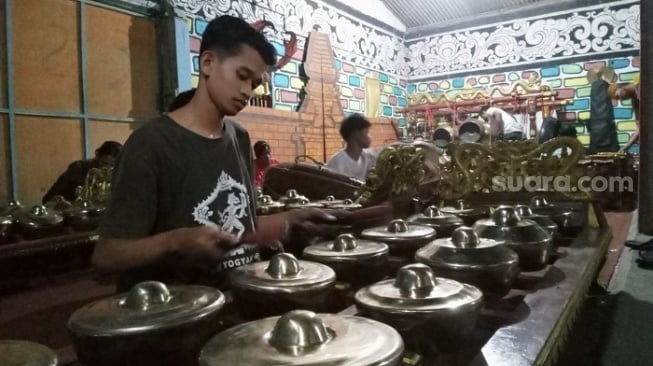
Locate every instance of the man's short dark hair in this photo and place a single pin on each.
(227, 34)
(260, 147)
(352, 124)
(181, 99)
(109, 148)
(568, 130)
(483, 109)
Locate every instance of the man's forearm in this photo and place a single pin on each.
(272, 228)
(497, 127)
(120, 254)
(634, 138)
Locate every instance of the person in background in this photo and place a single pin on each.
(624, 92)
(181, 99)
(566, 131)
(539, 118)
(182, 206)
(569, 131)
(462, 117)
(540, 125)
(355, 160)
(262, 160)
(549, 129)
(503, 125)
(75, 175)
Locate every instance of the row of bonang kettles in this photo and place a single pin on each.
(430, 305)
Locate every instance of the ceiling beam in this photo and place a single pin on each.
(141, 7)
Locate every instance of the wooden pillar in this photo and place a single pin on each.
(646, 131)
(167, 53)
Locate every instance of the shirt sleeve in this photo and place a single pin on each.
(67, 182)
(132, 209)
(333, 162)
(245, 152)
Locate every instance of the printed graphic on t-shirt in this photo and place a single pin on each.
(231, 201)
(240, 256)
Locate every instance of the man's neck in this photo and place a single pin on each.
(354, 151)
(200, 116)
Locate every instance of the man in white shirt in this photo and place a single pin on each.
(355, 160)
(504, 126)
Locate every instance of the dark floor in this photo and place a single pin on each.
(615, 326)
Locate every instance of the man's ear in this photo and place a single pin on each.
(208, 62)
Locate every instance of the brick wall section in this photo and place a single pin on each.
(277, 127)
(382, 132)
(291, 133)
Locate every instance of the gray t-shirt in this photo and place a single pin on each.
(169, 177)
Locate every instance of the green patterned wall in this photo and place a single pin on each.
(351, 84)
(287, 85)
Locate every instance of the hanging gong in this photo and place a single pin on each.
(605, 73)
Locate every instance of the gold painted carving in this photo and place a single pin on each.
(97, 186)
(532, 85)
(398, 172)
(504, 166)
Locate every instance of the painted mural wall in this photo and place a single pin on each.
(569, 80)
(559, 47)
(362, 50)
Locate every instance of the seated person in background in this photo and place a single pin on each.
(550, 128)
(75, 175)
(540, 128)
(355, 160)
(503, 125)
(181, 99)
(539, 118)
(262, 160)
(569, 131)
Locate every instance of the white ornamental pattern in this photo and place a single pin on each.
(599, 30)
(353, 40)
(593, 30)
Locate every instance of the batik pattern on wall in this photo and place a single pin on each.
(362, 51)
(353, 63)
(353, 40)
(287, 83)
(598, 31)
(569, 80)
